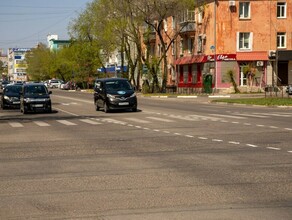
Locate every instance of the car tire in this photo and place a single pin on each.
(105, 108)
(134, 109)
(96, 106)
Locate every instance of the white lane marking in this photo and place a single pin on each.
(273, 127)
(273, 148)
(228, 116)
(290, 151)
(177, 133)
(88, 121)
(273, 114)
(160, 119)
(65, 122)
(70, 113)
(251, 115)
(166, 132)
(251, 145)
(65, 104)
(247, 124)
(137, 120)
(235, 122)
(217, 140)
(41, 123)
(146, 128)
(260, 125)
(156, 130)
(138, 126)
(15, 124)
(288, 129)
(233, 142)
(202, 138)
(190, 136)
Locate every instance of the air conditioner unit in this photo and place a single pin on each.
(231, 3)
(272, 53)
(260, 63)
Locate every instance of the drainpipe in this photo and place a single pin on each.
(215, 59)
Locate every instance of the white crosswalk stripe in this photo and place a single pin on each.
(88, 121)
(137, 120)
(15, 124)
(65, 122)
(42, 123)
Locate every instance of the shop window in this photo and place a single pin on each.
(190, 44)
(194, 73)
(281, 10)
(244, 10)
(186, 73)
(281, 40)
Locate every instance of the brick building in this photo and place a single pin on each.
(253, 39)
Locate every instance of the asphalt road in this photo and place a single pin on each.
(173, 159)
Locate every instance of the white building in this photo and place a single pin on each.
(17, 64)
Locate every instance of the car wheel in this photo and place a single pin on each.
(24, 111)
(49, 110)
(96, 106)
(134, 109)
(105, 108)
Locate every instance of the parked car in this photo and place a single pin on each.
(3, 84)
(114, 94)
(35, 97)
(10, 96)
(289, 89)
(55, 83)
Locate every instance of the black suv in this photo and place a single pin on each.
(10, 96)
(35, 97)
(114, 94)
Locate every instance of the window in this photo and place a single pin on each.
(244, 10)
(281, 10)
(173, 23)
(194, 73)
(181, 47)
(172, 48)
(186, 73)
(190, 44)
(281, 40)
(244, 41)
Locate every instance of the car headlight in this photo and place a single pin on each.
(6, 97)
(133, 95)
(28, 100)
(111, 97)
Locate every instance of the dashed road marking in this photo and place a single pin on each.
(273, 148)
(160, 119)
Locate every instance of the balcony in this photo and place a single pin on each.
(187, 28)
(187, 23)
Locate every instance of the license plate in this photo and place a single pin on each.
(38, 105)
(124, 103)
(15, 103)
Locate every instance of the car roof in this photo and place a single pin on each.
(111, 79)
(33, 84)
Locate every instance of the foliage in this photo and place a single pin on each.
(259, 101)
(230, 74)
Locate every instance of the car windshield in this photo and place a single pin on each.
(118, 85)
(36, 89)
(12, 89)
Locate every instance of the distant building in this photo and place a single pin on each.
(4, 60)
(17, 64)
(55, 44)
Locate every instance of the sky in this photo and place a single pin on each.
(24, 23)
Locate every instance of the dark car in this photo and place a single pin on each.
(3, 84)
(289, 89)
(35, 97)
(10, 96)
(114, 94)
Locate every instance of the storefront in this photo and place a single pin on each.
(193, 70)
(284, 59)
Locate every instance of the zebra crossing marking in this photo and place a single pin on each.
(65, 122)
(42, 123)
(15, 124)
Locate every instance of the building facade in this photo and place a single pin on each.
(17, 64)
(252, 40)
